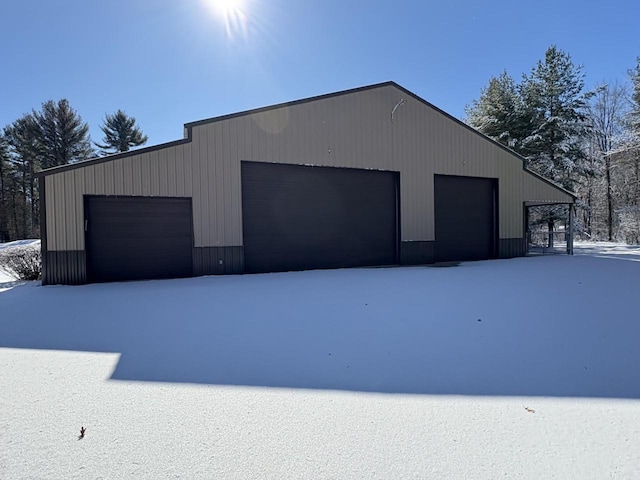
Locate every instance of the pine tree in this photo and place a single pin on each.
(555, 97)
(62, 135)
(5, 179)
(120, 133)
(500, 113)
(25, 152)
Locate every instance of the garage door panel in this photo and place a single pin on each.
(465, 218)
(297, 217)
(132, 238)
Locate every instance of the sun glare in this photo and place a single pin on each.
(233, 14)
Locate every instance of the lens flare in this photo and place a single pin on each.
(233, 14)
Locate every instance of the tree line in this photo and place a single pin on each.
(587, 141)
(52, 136)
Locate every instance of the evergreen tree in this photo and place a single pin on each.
(5, 180)
(120, 133)
(24, 155)
(555, 98)
(500, 113)
(62, 135)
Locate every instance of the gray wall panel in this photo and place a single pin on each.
(65, 267)
(218, 260)
(417, 253)
(512, 247)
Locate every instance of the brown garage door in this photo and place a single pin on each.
(299, 217)
(465, 218)
(134, 238)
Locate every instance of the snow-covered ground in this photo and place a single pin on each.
(523, 368)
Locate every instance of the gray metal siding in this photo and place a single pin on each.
(417, 253)
(64, 267)
(512, 247)
(352, 130)
(218, 260)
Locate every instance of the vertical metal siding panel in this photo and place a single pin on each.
(70, 207)
(78, 178)
(53, 219)
(203, 180)
(234, 196)
(197, 196)
(61, 213)
(512, 200)
(222, 152)
(163, 177)
(98, 187)
(538, 190)
(109, 178)
(186, 155)
(176, 169)
(89, 179)
(155, 174)
(127, 175)
(145, 172)
(171, 172)
(233, 191)
(117, 177)
(214, 144)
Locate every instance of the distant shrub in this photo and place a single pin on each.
(23, 262)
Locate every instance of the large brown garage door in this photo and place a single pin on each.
(465, 218)
(134, 238)
(298, 217)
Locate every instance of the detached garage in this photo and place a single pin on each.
(365, 177)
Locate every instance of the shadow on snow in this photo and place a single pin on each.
(561, 326)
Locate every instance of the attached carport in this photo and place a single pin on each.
(300, 217)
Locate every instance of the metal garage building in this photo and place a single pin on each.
(370, 176)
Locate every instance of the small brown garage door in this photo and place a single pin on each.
(465, 218)
(135, 238)
(298, 217)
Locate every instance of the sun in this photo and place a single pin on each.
(227, 8)
(233, 15)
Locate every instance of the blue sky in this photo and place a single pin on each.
(169, 62)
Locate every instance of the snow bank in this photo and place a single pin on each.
(20, 243)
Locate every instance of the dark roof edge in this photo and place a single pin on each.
(109, 158)
(498, 144)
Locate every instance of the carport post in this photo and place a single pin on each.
(570, 238)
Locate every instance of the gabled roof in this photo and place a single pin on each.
(189, 127)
